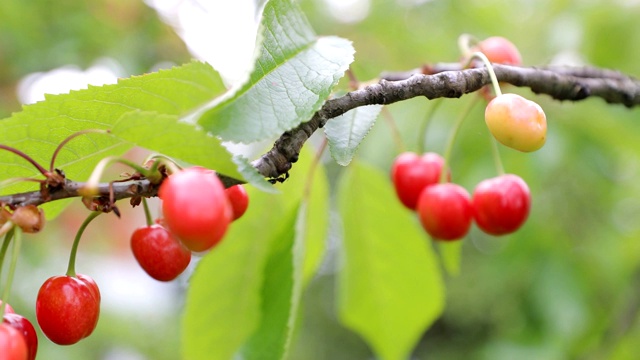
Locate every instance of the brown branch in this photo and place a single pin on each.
(446, 80)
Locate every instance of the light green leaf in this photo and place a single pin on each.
(251, 175)
(293, 76)
(40, 127)
(164, 134)
(346, 131)
(450, 254)
(390, 288)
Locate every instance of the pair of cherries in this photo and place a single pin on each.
(499, 205)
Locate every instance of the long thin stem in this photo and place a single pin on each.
(422, 134)
(496, 156)
(394, 129)
(69, 138)
(12, 269)
(41, 169)
(492, 73)
(94, 180)
(452, 138)
(3, 249)
(147, 212)
(71, 269)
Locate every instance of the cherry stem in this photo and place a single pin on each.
(12, 267)
(94, 179)
(42, 170)
(397, 138)
(422, 134)
(69, 138)
(492, 74)
(16, 180)
(316, 160)
(3, 250)
(147, 212)
(452, 138)
(464, 41)
(71, 269)
(166, 161)
(496, 155)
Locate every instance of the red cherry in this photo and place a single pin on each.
(445, 211)
(238, 199)
(161, 255)
(13, 345)
(411, 173)
(8, 309)
(195, 207)
(500, 50)
(501, 204)
(24, 326)
(67, 308)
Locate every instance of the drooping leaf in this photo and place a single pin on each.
(40, 127)
(390, 288)
(346, 131)
(294, 74)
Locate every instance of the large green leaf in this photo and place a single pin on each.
(293, 76)
(346, 131)
(390, 288)
(40, 127)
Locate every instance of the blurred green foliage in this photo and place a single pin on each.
(565, 286)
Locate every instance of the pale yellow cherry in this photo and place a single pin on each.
(516, 122)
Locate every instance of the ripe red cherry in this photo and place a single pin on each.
(445, 211)
(67, 308)
(161, 255)
(411, 173)
(500, 50)
(195, 207)
(239, 200)
(24, 326)
(13, 345)
(501, 204)
(516, 122)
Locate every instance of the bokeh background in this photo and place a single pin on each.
(566, 286)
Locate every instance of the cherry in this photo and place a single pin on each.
(161, 255)
(499, 50)
(24, 326)
(516, 122)
(238, 199)
(8, 309)
(501, 204)
(13, 345)
(445, 211)
(195, 207)
(67, 308)
(411, 173)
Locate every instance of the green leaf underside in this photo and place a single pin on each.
(346, 131)
(293, 76)
(250, 287)
(40, 127)
(390, 288)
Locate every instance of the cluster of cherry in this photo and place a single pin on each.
(197, 211)
(499, 205)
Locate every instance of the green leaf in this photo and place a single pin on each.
(450, 254)
(346, 131)
(390, 288)
(251, 175)
(40, 127)
(293, 76)
(163, 133)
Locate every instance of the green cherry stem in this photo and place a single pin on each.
(492, 74)
(3, 249)
(69, 138)
(452, 138)
(71, 269)
(166, 161)
(12, 267)
(386, 114)
(147, 212)
(422, 134)
(91, 187)
(496, 155)
(464, 42)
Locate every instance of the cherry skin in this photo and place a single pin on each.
(8, 309)
(13, 345)
(411, 173)
(516, 122)
(239, 200)
(501, 204)
(195, 207)
(24, 326)
(160, 254)
(67, 308)
(445, 211)
(499, 50)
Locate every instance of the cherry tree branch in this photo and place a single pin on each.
(446, 80)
